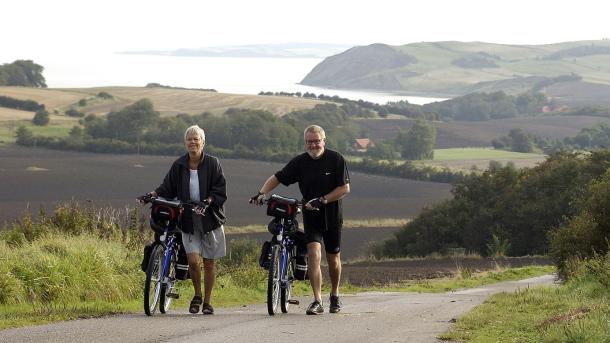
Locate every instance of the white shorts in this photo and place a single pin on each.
(211, 246)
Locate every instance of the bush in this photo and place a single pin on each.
(41, 118)
(82, 102)
(586, 234)
(74, 113)
(104, 95)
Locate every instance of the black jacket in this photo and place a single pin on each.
(211, 183)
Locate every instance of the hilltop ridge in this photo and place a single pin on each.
(452, 68)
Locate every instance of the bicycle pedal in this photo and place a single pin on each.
(293, 302)
(173, 295)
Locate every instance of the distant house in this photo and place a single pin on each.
(362, 144)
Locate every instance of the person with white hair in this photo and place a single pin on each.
(198, 176)
(323, 181)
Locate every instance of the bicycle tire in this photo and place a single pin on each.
(273, 281)
(286, 291)
(152, 283)
(168, 287)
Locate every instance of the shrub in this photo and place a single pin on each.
(104, 95)
(74, 113)
(41, 118)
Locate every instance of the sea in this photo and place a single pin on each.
(239, 75)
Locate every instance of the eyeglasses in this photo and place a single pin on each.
(314, 141)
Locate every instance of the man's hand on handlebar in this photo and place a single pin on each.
(258, 199)
(314, 204)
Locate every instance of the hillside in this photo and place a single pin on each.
(456, 134)
(167, 101)
(457, 68)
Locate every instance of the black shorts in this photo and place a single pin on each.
(317, 231)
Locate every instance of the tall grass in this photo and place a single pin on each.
(82, 261)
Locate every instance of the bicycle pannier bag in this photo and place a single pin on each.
(300, 272)
(265, 257)
(281, 207)
(182, 265)
(146, 257)
(162, 216)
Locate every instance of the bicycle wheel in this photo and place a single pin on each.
(152, 285)
(286, 290)
(168, 287)
(273, 281)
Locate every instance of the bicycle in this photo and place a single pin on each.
(282, 252)
(160, 282)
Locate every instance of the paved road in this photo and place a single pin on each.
(367, 317)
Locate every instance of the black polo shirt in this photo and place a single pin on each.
(318, 177)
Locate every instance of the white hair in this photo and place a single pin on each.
(194, 129)
(315, 129)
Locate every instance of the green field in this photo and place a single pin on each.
(454, 154)
(56, 128)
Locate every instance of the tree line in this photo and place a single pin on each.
(591, 138)
(239, 133)
(558, 207)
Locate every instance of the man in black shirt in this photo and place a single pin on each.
(323, 181)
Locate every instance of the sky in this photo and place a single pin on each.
(31, 28)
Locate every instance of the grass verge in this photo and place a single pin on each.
(576, 312)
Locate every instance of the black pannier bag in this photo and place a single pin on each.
(300, 272)
(148, 247)
(280, 207)
(182, 265)
(265, 256)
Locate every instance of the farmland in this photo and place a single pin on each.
(456, 134)
(167, 101)
(41, 177)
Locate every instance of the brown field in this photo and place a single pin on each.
(41, 177)
(458, 134)
(355, 242)
(167, 101)
(375, 273)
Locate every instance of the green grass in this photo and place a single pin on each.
(576, 312)
(479, 154)
(68, 276)
(58, 128)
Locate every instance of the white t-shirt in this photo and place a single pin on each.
(195, 194)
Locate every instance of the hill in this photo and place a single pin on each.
(168, 101)
(458, 68)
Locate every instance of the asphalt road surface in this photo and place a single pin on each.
(366, 317)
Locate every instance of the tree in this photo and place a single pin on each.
(41, 118)
(24, 136)
(520, 141)
(131, 122)
(418, 142)
(22, 73)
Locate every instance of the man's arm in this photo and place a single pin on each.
(338, 193)
(267, 187)
(270, 184)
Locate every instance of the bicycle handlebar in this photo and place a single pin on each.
(198, 207)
